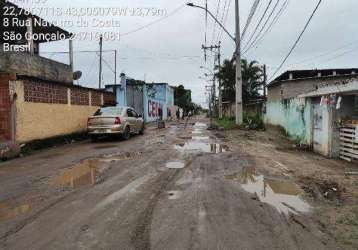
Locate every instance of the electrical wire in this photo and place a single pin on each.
(221, 20)
(263, 26)
(175, 11)
(249, 18)
(298, 39)
(324, 54)
(224, 21)
(274, 22)
(215, 24)
(259, 23)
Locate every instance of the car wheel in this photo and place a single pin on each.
(94, 138)
(126, 134)
(141, 131)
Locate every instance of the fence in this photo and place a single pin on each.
(349, 143)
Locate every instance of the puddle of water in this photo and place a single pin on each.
(83, 174)
(175, 165)
(185, 137)
(9, 211)
(121, 156)
(281, 194)
(198, 138)
(201, 125)
(174, 195)
(198, 146)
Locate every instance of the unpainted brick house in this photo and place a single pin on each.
(37, 97)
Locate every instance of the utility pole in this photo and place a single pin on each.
(100, 62)
(238, 84)
(236, 39)
(210, 90)
(211, 48)
(220, 87)
(115, 67)
(265, 81)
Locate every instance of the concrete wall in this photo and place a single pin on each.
(294, 116)
(291, 89)
(154, 102)
(35, 66)
(44, 110)
(151, 100)
(170, 96)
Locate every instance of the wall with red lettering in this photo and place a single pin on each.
(155, 108)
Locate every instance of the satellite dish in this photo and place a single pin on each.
(77, 75)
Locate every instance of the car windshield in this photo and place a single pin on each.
(109, 111)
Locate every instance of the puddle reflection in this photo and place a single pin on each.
(198, 146)
(283, 195)
(10, 210)
(175, 165)
(80, 175)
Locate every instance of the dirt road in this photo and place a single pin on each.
(176, 188)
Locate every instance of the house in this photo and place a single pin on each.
(315, 106)
(37, 97)
(148, 99)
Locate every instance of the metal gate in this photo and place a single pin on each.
(135, 98)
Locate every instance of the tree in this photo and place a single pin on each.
(251, 79)
(182, 98)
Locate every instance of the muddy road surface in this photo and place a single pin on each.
(175, 188)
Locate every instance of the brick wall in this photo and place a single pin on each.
(80, 97)
(5, 107)
(109, 99)
(45, 92)
(38, 91)
(96, 99)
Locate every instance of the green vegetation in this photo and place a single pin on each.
(182, 98)
(253, 121)
(226, 123)
(350, 219)
(252, 78)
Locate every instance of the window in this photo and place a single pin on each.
(130, 113)
(135, 114)
(109, 111)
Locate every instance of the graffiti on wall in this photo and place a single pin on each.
(155, 109)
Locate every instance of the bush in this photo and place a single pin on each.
(253, 121)
(226, 123)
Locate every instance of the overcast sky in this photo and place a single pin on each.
(170, 50)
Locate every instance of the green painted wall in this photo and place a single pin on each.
(293, 116)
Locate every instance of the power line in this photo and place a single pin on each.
(258, 25)
(215, 24)
(249, 18)
(298, 39)
(324, 54)
(274, 22)
(263, 26)
(221, 20)
(154, 22)
(206, 21)
(224, 21)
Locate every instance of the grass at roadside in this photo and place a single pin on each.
(226, 123)
(251, 122)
